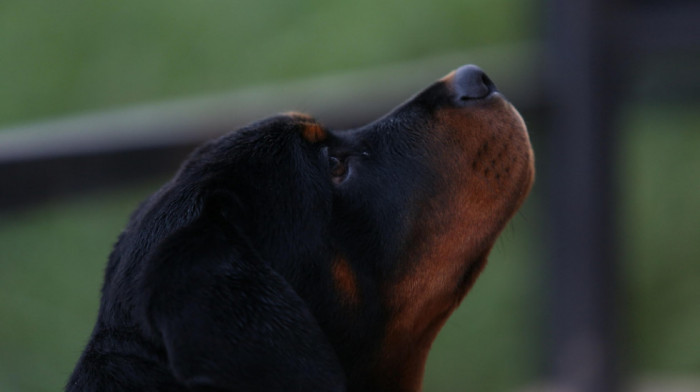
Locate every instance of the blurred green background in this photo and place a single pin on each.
(70, 57)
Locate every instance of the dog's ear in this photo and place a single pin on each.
(227, 320)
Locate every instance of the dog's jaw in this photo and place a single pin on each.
(487, 169)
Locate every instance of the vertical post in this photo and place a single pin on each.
(581, 169)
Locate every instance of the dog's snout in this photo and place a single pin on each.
(470, 82)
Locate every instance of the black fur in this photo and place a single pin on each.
(195, 294)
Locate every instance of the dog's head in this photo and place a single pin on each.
(419, 199)
(373, 235)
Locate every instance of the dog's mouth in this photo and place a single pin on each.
(488, 165)
(492, 137)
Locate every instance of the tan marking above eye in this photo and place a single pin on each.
(313, 132)
(299, 116)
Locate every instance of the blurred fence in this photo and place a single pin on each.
(594, 50)
(57, 158)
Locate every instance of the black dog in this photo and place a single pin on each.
(288, 257)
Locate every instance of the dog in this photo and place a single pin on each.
(285, 256)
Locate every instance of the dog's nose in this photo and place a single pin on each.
(470, 82)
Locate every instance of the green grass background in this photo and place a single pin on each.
(75, 55)
(67, 57)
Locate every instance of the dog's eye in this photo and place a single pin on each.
(339, 169)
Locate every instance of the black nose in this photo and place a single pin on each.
(470, 82)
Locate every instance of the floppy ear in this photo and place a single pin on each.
(227, 320)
